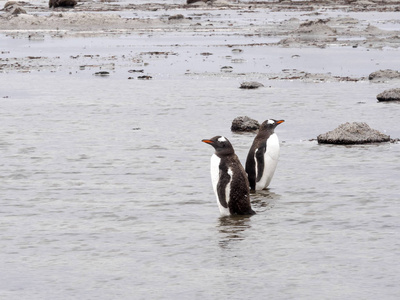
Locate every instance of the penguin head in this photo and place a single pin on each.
(221, 144)
(270, 124)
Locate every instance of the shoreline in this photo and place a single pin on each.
(256, 26)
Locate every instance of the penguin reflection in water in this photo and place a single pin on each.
(263, 156)
(229, 179)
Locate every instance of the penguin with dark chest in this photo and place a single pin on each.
(263, 156)
(229, 179)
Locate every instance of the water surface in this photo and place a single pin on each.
(105, 189)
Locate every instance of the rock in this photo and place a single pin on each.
(194, 1)
(102, 73)
(145, 77)
(383, 75)
(227, 69)
(250, 85)
(62, 3)
(389, 95)
(353, 133)
(176, 17)
(245, 124)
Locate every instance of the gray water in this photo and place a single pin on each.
(105, 190)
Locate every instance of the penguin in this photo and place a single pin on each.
(263, 156)
(229, 179)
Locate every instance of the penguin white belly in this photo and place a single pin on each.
(215, 161)
(271, 157)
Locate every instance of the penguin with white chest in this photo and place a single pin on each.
(229, 179)
(263, 156)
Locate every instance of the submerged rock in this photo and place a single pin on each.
(245, 124)
(389, 95)
(383, 75)
(250, 85)
(353, 133)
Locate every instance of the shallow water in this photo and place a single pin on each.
(105, 189)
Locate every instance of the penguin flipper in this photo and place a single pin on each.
(251, 170)
(259, 157)
(224, 179)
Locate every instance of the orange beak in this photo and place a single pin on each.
(207, 141)
(280, 121)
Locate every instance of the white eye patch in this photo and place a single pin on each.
(222, 139)
(271, 122)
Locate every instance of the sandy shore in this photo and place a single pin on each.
(321, 24)
(304, 23)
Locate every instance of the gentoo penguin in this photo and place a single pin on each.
(263, 156)
(229, 180)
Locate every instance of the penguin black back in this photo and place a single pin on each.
(229, 179)
(263, 155)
